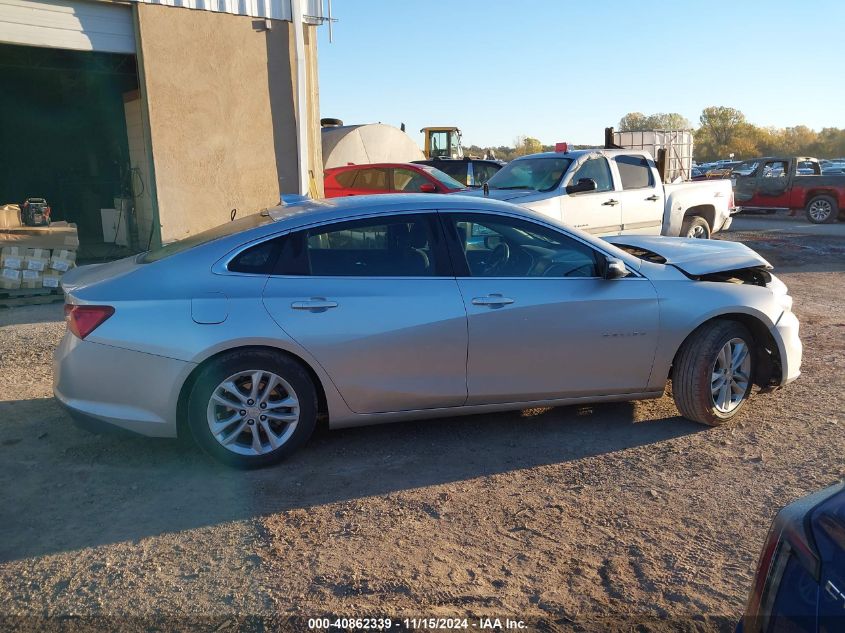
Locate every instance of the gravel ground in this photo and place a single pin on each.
(617, 516)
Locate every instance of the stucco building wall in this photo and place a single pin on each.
(219, 93)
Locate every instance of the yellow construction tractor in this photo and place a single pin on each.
(442, 142)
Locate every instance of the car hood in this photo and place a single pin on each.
(695, 256)
(500, 194)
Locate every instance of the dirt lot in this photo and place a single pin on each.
(572, 519)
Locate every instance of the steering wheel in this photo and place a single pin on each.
(499, 257)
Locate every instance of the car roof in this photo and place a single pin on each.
(369, 165)
(577, 153)
(310, 211)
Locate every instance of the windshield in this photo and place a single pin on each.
(538, 174)
(444, 179)
(224, 230)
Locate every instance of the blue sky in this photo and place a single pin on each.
(561, 70)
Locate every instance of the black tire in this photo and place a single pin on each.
(330, 122)
(230, 364)
(695, 226)
(815, 207)
(693, 371)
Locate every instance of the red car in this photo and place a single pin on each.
(360, 180)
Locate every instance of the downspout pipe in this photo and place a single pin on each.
(301, 96)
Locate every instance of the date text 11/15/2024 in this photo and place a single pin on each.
(437, 624)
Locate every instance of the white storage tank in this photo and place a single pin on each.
(677, 143)
(367, 144)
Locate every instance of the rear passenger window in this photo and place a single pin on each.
(372, 179)
(634, 172)
(398, 246)
(346, 178)
(257, 260)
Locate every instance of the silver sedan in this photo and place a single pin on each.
(373, 309)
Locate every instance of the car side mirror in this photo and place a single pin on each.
(427, 187)
(614, 268)
(583, 184)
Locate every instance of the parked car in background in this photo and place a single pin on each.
(379, 178)
(799, 586)
(470, 172)
(380, 308)
(777, 183)
(611, 192)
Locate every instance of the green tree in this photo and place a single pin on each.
(637, 121)
(527, 145)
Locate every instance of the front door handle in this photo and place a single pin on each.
(653, 197)
(494, 301)
(611, 203)
(314, 304)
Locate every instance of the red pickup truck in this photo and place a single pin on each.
(793, 183)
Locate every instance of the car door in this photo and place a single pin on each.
(642, 195)
(375, 303)
(773, 184)
(542, 321)
(743, 179)
(598, 212)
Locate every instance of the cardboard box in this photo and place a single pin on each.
(64, 254)
(10, 216)
(35, 263)
(40, 253)
(51, 279)
(61, 264)
(30, 279)
(11, 261)
(10, 279)
(16, 251)
(53, 236)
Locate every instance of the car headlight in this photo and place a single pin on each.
(781, 293)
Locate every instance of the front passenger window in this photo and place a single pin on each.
(598, 170)
(501, 246)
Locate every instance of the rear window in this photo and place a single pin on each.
(224, 230)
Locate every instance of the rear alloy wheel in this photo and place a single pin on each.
(713, 372)
(695, 226)
(822, 210)
(251, 409)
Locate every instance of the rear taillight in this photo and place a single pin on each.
(84, 319)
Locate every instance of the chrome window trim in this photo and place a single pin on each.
(220, 267)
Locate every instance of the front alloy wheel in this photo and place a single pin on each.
(731, 376)
(713, 371)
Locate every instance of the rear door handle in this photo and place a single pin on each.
(314, 304)
(610, 203)
(494, 301)
(653, 197)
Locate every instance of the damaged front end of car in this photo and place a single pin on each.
(725, 262)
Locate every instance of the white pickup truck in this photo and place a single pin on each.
(612, 192)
